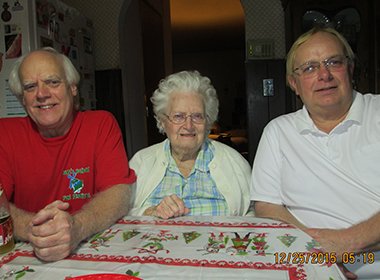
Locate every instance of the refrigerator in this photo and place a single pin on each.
(28, 25)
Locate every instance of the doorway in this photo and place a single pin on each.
(215, 48)
(209, 36)
(143, 39)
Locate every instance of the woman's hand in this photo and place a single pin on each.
(170, 206)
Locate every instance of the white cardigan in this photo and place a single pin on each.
(230, 171)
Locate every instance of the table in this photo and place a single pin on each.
(185, 248)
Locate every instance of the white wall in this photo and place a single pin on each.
(265, 19)
(105, 17)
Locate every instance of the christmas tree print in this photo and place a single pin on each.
(287, 239)
(190, 236)
(129, 234)
(314, 246)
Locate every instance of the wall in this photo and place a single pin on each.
(218, 52)
(226, 70)
(265, 19)
(105, 18)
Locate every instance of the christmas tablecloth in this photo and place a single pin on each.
(186, 248)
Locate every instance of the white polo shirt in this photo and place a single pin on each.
(326, 180)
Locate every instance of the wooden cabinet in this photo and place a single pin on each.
(362, 35)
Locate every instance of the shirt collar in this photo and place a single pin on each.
(205, 155)
(305, 124)
(356, 112)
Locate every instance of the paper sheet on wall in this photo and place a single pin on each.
(13, 107)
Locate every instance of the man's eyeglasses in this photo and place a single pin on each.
(180, 118)
(310, 69)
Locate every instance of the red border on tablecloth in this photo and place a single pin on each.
(295, 272)
(204, 224)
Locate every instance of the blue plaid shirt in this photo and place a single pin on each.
(198, 190)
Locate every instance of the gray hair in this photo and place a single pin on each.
(185, 81)
(72, 75)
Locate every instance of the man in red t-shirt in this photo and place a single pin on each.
(65, 172)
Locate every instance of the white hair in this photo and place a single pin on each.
(14, 82)
(185, 81)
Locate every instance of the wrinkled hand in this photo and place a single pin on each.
(334, 241)
(170, 206)
(51, 232)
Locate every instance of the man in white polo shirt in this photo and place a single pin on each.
(318, 168)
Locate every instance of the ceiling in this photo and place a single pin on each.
(205, 25)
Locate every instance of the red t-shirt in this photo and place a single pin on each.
(36, 171)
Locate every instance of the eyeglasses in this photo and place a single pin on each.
(309, 69)
(180, 118)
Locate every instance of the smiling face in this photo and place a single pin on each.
(48, 99)
(329, 92)
(186, 138)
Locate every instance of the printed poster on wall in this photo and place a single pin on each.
(13, 40)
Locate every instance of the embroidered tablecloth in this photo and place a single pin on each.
(186, 248)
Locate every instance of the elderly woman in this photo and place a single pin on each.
(188, 173)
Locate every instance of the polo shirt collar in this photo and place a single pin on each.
(356, 113)
(305, 124)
